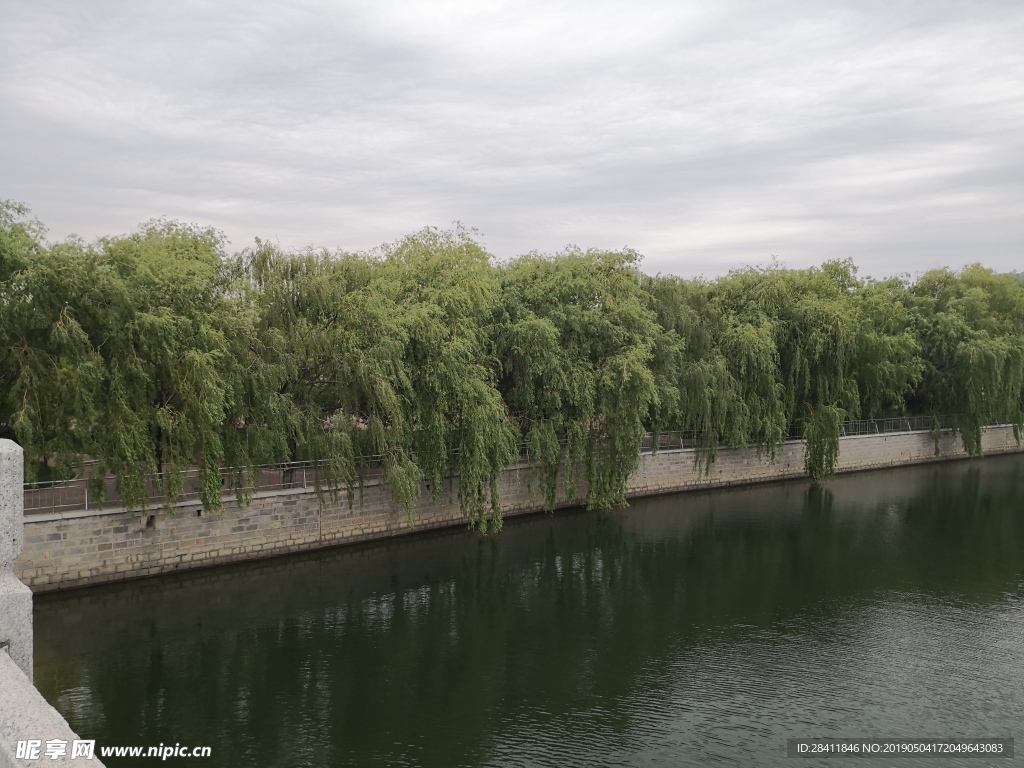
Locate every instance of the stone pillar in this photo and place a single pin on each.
(15, 597)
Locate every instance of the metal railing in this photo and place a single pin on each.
(82, 494)
(76, 494)
(881, 426)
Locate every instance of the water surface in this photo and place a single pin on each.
(697, 629)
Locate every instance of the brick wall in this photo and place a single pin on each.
(78, 548)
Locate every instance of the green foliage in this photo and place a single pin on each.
(971, 330)
(576, 339)
(132, 351)
(448, 291)
(385, 356)
(821, 431)
(887, 364)
(725, 369)
(425, 360)
(767, 351)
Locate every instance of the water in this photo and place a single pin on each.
(697, 629)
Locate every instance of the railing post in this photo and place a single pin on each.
(15, 597)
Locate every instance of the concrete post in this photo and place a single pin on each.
(15, 597)
(26, 718)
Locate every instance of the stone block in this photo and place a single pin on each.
(16, 621)
(12, 503)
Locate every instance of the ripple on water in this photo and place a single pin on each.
(698, 630)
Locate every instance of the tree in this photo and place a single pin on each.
(575, 342)
(970, 327)
(134, 352)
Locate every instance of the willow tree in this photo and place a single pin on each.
(338, 344)
(387, 359)
(887, 362)
(770, 351)
(50, 372)
(814, 325)
(575, 343)
(724, 369)
(154, 352)
(131, 351)
(971, 330)
(449, 291)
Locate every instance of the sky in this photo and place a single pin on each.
(706, 135)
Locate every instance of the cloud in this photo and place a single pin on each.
(704, 135)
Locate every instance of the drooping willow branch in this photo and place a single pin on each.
(157, 351)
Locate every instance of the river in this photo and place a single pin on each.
(695, 629)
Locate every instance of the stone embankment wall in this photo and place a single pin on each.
(72, 549)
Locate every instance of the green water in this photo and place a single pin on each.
(697, 629)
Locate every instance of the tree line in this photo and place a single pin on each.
(156, 351)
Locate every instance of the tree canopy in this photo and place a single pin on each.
(151, 352)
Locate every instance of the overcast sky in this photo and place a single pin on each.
(707, 135)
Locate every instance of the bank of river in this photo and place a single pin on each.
(688, 630)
